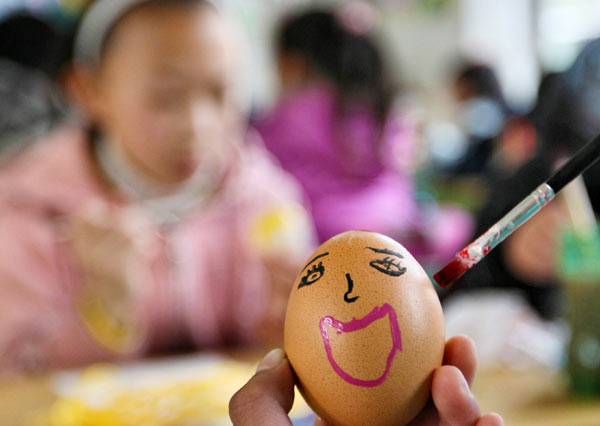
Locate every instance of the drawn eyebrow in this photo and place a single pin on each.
(314, 258)
(386, 251)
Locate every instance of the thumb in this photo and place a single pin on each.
(452, 397)
(268, 396)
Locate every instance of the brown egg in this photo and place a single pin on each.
(364, 331)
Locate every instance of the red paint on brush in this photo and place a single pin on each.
(462, 262)
(452, 271)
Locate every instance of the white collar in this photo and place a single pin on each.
(167, 204)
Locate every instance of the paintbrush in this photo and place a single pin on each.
(530, 205)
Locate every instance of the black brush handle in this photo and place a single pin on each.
(576, 165)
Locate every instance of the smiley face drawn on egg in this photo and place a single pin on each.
(364, 331)
(383, 261)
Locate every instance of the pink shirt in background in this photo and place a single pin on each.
(347, 166)
(358, 174)
(208, 284)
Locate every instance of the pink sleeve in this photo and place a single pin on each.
(236, 293)
(39, 323)
(269, 190)
(223, 291)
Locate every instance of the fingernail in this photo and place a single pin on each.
(319, 422)
(271, 360)
(465, 389)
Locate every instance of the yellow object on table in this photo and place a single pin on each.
(182, 391)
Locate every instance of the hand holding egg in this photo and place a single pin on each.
(364, 335)
(364, 331)
(377, 350)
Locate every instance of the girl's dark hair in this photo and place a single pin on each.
(352, 62)
(31, 41)
(481, 81)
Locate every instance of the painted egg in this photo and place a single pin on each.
(364, 331)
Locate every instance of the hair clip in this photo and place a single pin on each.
(357, 17)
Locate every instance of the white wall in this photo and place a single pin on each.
(563, 27)
(502, 33)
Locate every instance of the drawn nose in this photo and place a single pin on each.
(347, 297)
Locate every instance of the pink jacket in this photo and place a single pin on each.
(208, 284)
(347, 168)
(357, 175)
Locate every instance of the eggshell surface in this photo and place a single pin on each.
(364, 331)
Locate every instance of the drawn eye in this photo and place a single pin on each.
(312, 275)
(388, 265)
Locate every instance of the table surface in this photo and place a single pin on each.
(533, 398)
(523, 398)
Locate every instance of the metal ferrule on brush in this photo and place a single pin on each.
(511, 221)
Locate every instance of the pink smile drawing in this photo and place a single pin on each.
(378, 312)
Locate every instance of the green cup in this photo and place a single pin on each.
(580, 269)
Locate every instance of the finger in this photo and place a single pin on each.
(320, 422)
(452, 397)
(460, 352)
(136, 226)
(492, 419)
(268, 396)
(95, 212)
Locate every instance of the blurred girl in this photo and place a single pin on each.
(146, 233)
(335, 129)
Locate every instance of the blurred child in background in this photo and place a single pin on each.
(152, 227)
(336, 129)
(498, 139)
(482, 115)
(566, 116)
